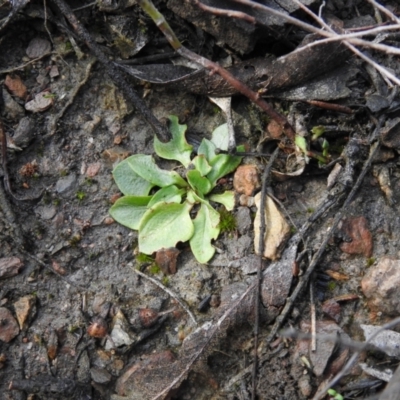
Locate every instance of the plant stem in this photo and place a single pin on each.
(163, 25)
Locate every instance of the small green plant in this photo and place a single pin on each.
(370, 261)
(144, 259)
(335, 395)
(165, 281)
(331, 286)
(80, 195)
(180, 209)
(227, 221)
(154, 269)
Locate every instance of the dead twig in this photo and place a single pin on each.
(322, 392)
(225, 13)
(166, 290)
(367, 59)
(22, 66)
(313, 320)
(162, 24)
(330, 35)
(265, 183)
(336, 198)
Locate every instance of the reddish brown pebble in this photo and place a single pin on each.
(58, 268)
(98, 328)
(118, 139)
(166, 259)
(356, 228)
(115, 197)
(8, 327)
(93, 169)
(246, 179)
(275, 130)
(15, 85)
(148, 317)
(108, 220)
(52, 345)
(9, 266)
(215, 301)
(332, 309)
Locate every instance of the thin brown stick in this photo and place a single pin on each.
(162, 24)
(322, 392)
(369, 60)
(170, 292)
(226, 13)
(313, 320)
(332, 35)
(315, 260)
(261, 245)
(240, 87)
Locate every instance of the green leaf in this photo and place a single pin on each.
(222, 164)
(169, 194)
(129, 210)
(208, 149)
(317, 131)
(201, 164)
(177, 148)
(164, 225)
(129, 182)
(220, 137)
(199, 183)
(227, 199)
(205, 230)
(145, 167)
(301, 143)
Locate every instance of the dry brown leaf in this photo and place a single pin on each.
(24, 308)
(356, 228)
(166, 259)
(277, 230)
(338, 276)
(156, 376)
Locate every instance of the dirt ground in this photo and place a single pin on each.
(75, 266)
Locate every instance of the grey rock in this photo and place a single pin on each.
(24, 132)
(100, 375)
(243, 220)
(12, 109)
(38, 47)
(46, 212)
(66, 183)
(380, 286)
